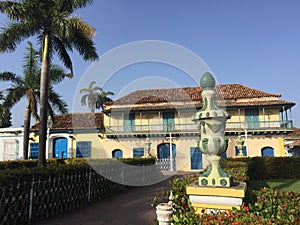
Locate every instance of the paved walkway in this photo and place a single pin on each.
(130, 208)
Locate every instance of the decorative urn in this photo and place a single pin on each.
(211, 122)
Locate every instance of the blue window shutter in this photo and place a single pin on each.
(196, 158)
(34, 150)
(138, 152)
(83, 149)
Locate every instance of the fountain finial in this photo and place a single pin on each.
(207, 81)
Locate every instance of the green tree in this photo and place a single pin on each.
(5, 114)
(103, 98)
(95, 97)
(57, 31)
(28, 86)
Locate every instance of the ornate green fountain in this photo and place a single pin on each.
(211, 122)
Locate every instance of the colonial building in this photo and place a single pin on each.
(158, 122)
(263, 120)
(77, 135)
(11, 144)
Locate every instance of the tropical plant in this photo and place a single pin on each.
(28, 85)
(5, 116)
(95, 97)
(103, 98)
(57, 31)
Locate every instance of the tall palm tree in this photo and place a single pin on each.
(5, 114)
(103, 98)
(95, 97)
(28, 86)
(57, 31)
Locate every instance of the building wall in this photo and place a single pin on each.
(11, 147)
(97, 149)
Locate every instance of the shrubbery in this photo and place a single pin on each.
(265, 206)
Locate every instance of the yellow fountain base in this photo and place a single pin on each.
(206, 199)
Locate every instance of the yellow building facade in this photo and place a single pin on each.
(262, 119)
(158, 122)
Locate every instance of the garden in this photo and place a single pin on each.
(272, 197)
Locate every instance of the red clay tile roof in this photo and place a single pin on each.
(295, 135)
(74, 121)
(159, 98)
(228, 91)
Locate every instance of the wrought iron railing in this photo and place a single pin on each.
(191, 127)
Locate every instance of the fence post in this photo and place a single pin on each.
(30, 200)
(90, 180)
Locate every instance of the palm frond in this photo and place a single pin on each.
(14, 95)
(83, 99)
(57, 102)
(81, 38)
(57, 75)
(15, 33)
(14, 78)
(71, 5)
(60, 48)
(12, 9)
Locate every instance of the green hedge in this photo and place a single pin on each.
(264, 168)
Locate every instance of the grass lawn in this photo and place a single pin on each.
(282, 184)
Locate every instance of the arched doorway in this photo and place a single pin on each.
(267, 151)
(117, 153)
(163, 155)
(60, 148)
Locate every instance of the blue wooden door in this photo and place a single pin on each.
(60, 148)
(267, 151)
(168, 121)
(164, 151)
(196, 158)
(252, 118)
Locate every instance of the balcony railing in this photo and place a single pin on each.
(192, 128)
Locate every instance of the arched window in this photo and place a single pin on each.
(163, 151)
(267, 151)
(117, 153)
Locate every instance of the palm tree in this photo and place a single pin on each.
(5, 114)
(95, 97)
(57, 32)
(103, 98)
(28, 85)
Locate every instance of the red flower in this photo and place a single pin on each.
(284, 204)
(235, 223)
(246, 208)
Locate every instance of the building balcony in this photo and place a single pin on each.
(191, 128)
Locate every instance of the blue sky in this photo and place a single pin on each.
(255, 43)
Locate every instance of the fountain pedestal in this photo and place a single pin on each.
(213, 199)
(214, 189)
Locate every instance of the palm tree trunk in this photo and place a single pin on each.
(27, 117)
(44, 89)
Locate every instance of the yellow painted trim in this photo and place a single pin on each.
(199, 208)
(281, 146)
(218, 191)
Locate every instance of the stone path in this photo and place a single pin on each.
(130, 208)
